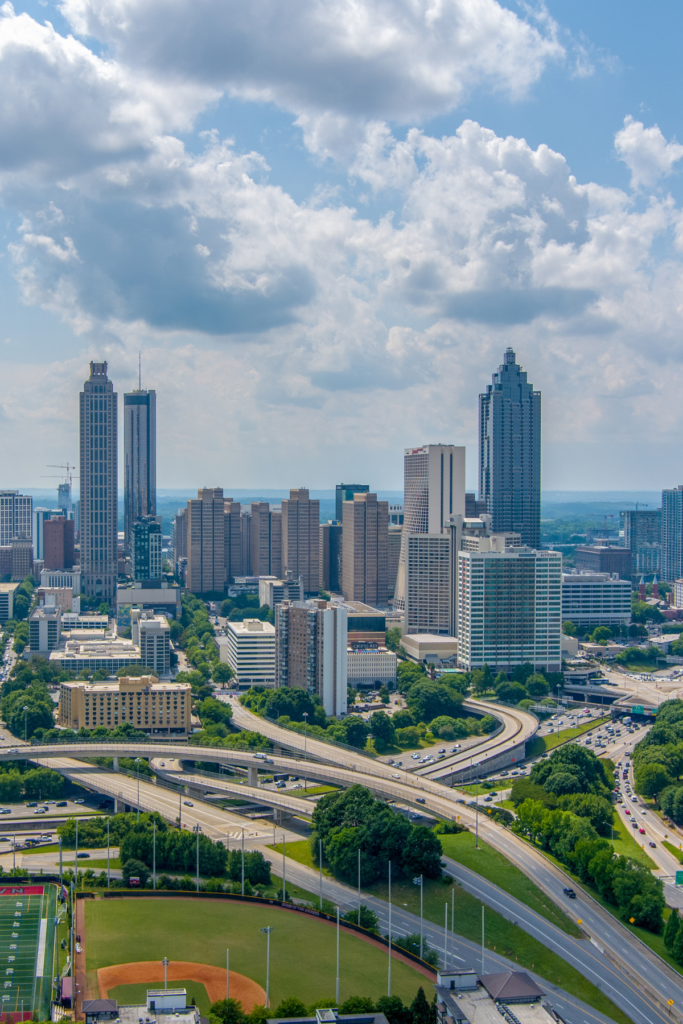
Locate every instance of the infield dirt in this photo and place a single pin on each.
(212, 978)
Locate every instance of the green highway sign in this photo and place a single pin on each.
(637, 709)
(679, 878)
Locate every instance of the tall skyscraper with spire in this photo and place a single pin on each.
(510, 452)
(98, 457)
(140, 457)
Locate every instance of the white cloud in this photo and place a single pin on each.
(646, 152)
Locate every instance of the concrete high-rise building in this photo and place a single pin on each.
(21, 557)
(40, 515)
(64, 501)
(510, 609)
(58, 549)
(311, 650)
(510, 452)
(394, 550)
(330, 557)
(265, 540)
(672, 534)
(145, 549)
(139, 458)
(152, 634)
(428, 584)
(365, 549)
(301, 538)
(99, 490)
(206, 542)
(345, 492)
(603, 558)
(16, 516)
(643, 536)
(276, 542)
(179, 535)
(434, 488)
(474, 507)
(591, 599)
(232, 539)
(248, 647)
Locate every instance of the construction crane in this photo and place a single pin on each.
(646, 504)
(70, 475)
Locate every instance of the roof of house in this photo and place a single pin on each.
(510, 985)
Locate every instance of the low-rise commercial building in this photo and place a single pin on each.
(63, 597)
(591, 599)
(248, 647)
(153, 706)
(160, 597)
(80, 654)
(604, 558)
(431, 649)
(57, 578)
(370, 665)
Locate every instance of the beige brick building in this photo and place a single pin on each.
(154, 707)
(301, 538)
(206, 541)
(365, 549)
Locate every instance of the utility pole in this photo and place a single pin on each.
(420, 881)
(284, 890)
(337, 995)
(266, 932)
(197, 827)
(243, 860)
(359, 886)
(60, 862)
(305, 747)
(227, 974)
(154, 854)
(445, 938)
(483, 948)
(389, 970)
(108, 871)
(320, 859)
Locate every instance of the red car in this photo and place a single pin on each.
(642, 831)
(627, 811)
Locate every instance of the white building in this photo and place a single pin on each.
(249, 649)
(431, 649)
(428, 583)
(16, 516)
(81, 654)
(370, 665)
(510, 609)
(60, 578)
(44, 628)
(591, 599)
(7, 591)
(272, 591)
(678, 593)
(152, 634)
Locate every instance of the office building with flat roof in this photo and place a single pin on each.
(206, 542)
(510, 452)
(157, 707)
(510, 609)
(7, 592)
(301, 538)
(16, 516)
(248, 647)
(591, 599)
(311, 639)
(365, 549)
(272, 591)
(331, 557)
(643, 537)
(345, 492)
(139, 458)
(40, 515)
(370, 665)
(672, 534)
(58, 543)
(99, 490)
(604, 558)
(44, 628)
(145, 547)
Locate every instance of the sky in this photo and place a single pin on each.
(321, 224)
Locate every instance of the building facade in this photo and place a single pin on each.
(591, 599)
(272, 591)
(331, 557)
(434, 488)
(643, 537)
(365, 549)
(7, 591)
(603, 558)
(139, 458)
(311, 639)
(248, 647)
(99, 490)
(44, 629)
(232, 539)
(672, 534)
(150, 705)
(510, 452)
(345, 492)
(510, 609)
(301, 538)
(58, 543)
(145, 548)
(40, 515)
(370, 666)
(428, 584)
(206, 542)
(57, 579)
(152, 634)
(16, 516)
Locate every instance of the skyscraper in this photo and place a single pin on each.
(145, 540)
(643, 535)
(265, 540)
(510, 452)
(301, 538)
(98, 456)
(140, 458)
(434, 487)
(16, 516)
(345, 492)
(206, 542)
(365, 549)
(672, 534)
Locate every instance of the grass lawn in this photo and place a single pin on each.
(628, 845)
(540, 744)
(127, 995)
(512, 940)
(317, 790)
(639, 668)
(493, 866)
(302, 949)
(301, 853)
(677, 851)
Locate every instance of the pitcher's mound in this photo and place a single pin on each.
(212, 978)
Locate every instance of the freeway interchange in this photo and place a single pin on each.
(627, 970)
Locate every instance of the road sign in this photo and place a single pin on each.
(679, 878)
(637, 709)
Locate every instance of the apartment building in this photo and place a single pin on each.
(365, 549)
(301, 538)
(206, 542)
(151, 705)
(249, 649)
(311, 650)
(152, 634)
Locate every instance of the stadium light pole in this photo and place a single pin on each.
(445, 937)
(284, 890)
(337, 993)
(266, 932)
(165, 962)
(320, 864)
(25, 710)
(154, 855)
(359, 886)
(420, 881)
(137, 761)
(108, 862)
(60, 861)
(227, 974)
(197, 828)
(483, 947)
(243, 860)
(389, 935)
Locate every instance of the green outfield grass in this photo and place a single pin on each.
(302, 949)
(130, 995)
(540, 744)
(493, 866)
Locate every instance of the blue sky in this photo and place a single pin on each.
(322, 226)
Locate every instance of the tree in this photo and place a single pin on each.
(212, 710)
(291, 1007)
(408, 737)
(423, 1012)
(228, 1011)
(393, 1009)
(601, 633)
(368, 918)
(426, 700)
(393, 639)
(411, 943)
(222, 673)
(651, 779)
(635, 629)
(671, 929)
(384, 695)
(511, 692)
(134, 868)
(568, 628)
(134, 671)
(357, 1004)
(537, 685)
(422, 853)
(357, 731)
(677, 948)
(521, 673)
(382, 729)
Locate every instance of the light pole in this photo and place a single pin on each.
(266, 932)
(420, 881)
(320, 861)
(305, 746)
(108, 871)
(243, 860)
(337, 995)
(60, 861)
(198, 830)
(154, 853)
(445, 938)
(25, 710)
(284, 890)
(359, 886)
(227, 974)
(389, 936)
(137, 761)
(165, 962)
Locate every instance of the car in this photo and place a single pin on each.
(390, 761)
(281, 785)
(442, 751)
(33, 803)
(460, 801)
(569, 892)
(80, 800)
(83, 856)
(188, 803)
(398, 764)
(653, 845)
(40, 810)
(413, 815)
(642, 831)
(415, 757)
(627, 811)
(61, 803)
(634, 824)
(46, 835)
(5, 810)
(4, 839)
(634, 799)
(162, 763)
(419, 800)
(488, 799)
(441, 757)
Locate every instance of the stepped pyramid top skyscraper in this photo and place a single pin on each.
(510, 452)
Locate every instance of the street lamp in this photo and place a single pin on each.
(25, 709)
(305, 746)
(137, 761)
(420, 881)
(266, 932)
